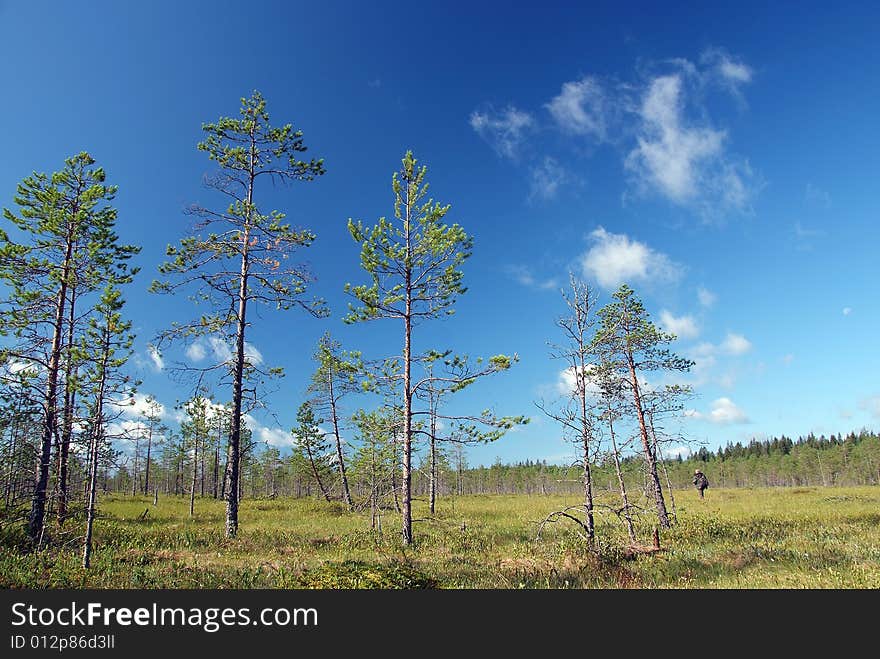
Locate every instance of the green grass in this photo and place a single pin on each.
(744, 538)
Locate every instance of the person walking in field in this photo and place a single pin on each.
(700, 481)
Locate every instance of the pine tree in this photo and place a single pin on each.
(243, 259)
(108, 340)
(413, 263)
(629, 345)
(338, 374)
(311, 442)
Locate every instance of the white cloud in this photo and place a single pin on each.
(735, 71)
(252, 355)
(196, 351)
(615, 258)
(275, 437)
(670, 154)
(581, 108)
(547, 178)
(706, 297)
(567, 384)
(504, 131)
(847, 311)
(679, 154)
(724, 412)
(127, 429)
(523, 275)
(137, 406)
(272, 436)
(220, 349)
(155, 358)
(223, 353)
(736, 344)
(729, 71)
(674, 451)
(684, 327)
(25, 369)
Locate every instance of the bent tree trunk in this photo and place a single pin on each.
(650, 461)
(627, 516)
(317, 475)
(346, 493)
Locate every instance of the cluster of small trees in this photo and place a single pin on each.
(607, 355)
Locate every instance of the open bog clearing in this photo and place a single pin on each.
(735, 538)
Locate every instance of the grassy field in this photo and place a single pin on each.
(744, 538)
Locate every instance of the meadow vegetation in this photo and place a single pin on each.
(810, 537)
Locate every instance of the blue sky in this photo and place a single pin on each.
(721, 160)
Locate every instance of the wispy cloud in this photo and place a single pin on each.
(196, 352)
(723, 412)
(581, 108)
(706, 297)
(847, 311)
(684, 327)
(546, 179)
(139, 406)
(504, 131)
(682, 157)
(221, 351)
(815, 196)
(736, 344)
(616, 258)
(730, 72)
(523, 275)
(156, 360)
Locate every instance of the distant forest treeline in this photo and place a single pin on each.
(836, 460)
(853, 459)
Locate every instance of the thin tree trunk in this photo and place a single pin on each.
(225, 484)
(317, 475)
(235, 425)
(216, 477)
(407, 391)
(195, 471)
(585, 439)
(147, 467)
(202, 469)
(346, 493)
(657, 452)
(69, 399)
(626, 513)
(97, 435)
(654, 479)
(90, 507)
(432, 494)
(134, 478)
(432, 486)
